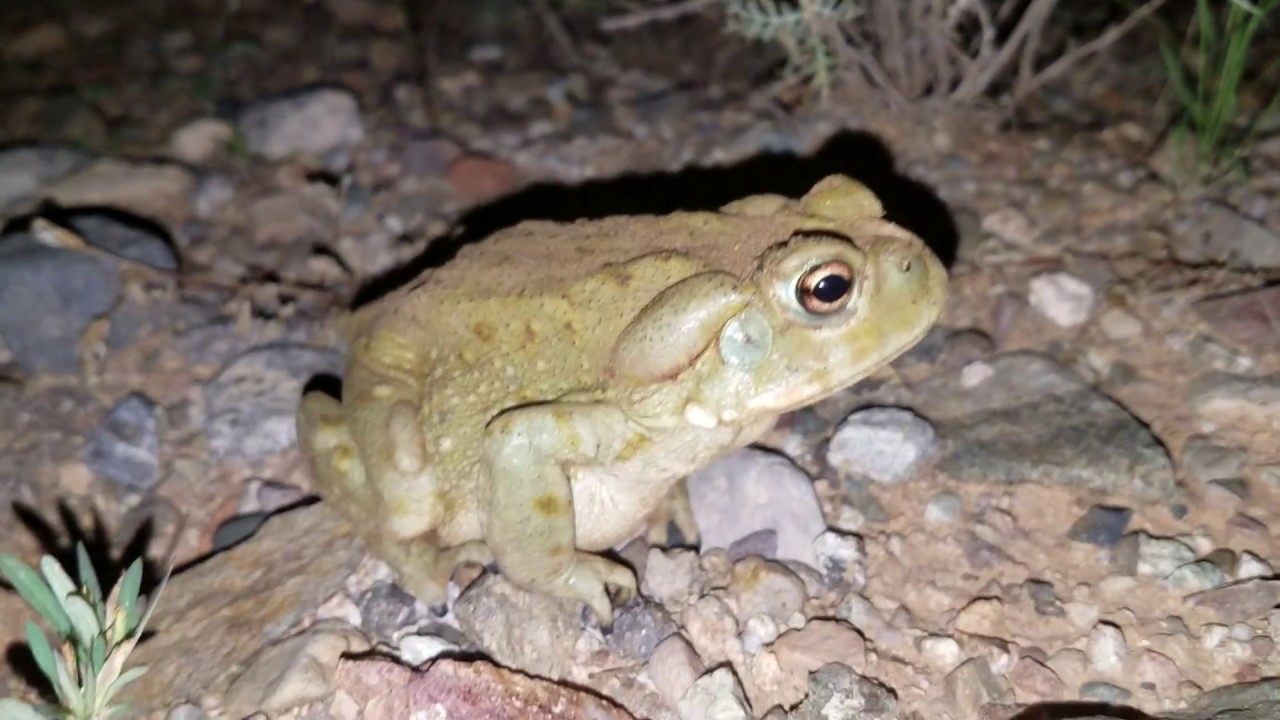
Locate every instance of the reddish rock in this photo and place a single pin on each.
(1249, 319)
(479, 179)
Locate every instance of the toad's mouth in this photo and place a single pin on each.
(790, 397)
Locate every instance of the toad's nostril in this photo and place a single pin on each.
(905, 265)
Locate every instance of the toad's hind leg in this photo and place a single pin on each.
(421, 565)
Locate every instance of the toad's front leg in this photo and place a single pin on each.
(529, 524)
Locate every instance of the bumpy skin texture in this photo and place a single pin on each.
(534, 399)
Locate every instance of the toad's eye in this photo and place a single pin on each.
(826, 288)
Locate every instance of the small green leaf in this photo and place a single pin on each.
(130, 585)
(11, 709)
(89, 578)
(41, 651)
(59, 582)
(98, 653)
(36, 593)
(83, 620)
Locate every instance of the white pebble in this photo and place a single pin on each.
(1251, 566)
(1106, 648)
(1063, 298)
(940, 652)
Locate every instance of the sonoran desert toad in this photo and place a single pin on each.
(532, 400)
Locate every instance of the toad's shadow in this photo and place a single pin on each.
(859, 155)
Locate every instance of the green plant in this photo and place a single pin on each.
(806, 30)
(1209, 134)
(96, 635)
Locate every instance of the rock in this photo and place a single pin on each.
(312, 122)
(126, 447)
(1101, 525)
(525, 631)
(1157, 671)
(638, 628)
(1033, 420)
(887, 445)
(49, 297)
(972, 685)
(1100, 691)
(429, 157)
(1239, 601)
(673, 667)
(818, 643)
(1043, 598)
(751, 490)
(418, 649)
(252, 404)
(128, 237)
(672, 577)
(37, 41)
(145, 189)
(1033, 682)
(1119, 325)
(214, 616)
(376, 688)
(1247, 319)
(714, 696)
(1063, 298)
(940, 652)
(199, 140)
(981, 616)
(293, 671)
(1230, 399)
(290, 217)
(761, 542)
(1195, 577)
(712, 629)
(1244, 701)
(1107, 648)
(25, 169)
(765, 587)
(944, 508)
(1215, 233)
(1139, 553)
(480, 179)
(842, 560)
(1011, 225)
(836, 691)
(1203, 460)
(1251, 566)
(213, 192)
(386, 609)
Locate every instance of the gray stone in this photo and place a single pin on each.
(131, 238)
(1101, 525)
(1100, 691)
(836, 691)
(385, 609)
(310, 122)
(1244, 701)
(639, 627)
(126, 447)
(25, 169)
(521, 630)
(887, 445)
(1140, 553)
(1212, 232)
(1230, 397)
(48, 298)
(1033, 420)
(252, 404)
(1239, 601)
(751, 490)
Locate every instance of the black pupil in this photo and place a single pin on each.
(831, 288)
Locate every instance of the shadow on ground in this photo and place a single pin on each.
(859, 155)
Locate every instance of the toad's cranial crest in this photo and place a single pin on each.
(533, 400)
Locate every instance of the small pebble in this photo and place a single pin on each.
(1101, 525)
(943, 508)
(417, 649)
(940, 652)
(1063, 298)
(1195, 577)
(888, 445)
(1251, 566)
(1099, 691)
(1106, 648)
